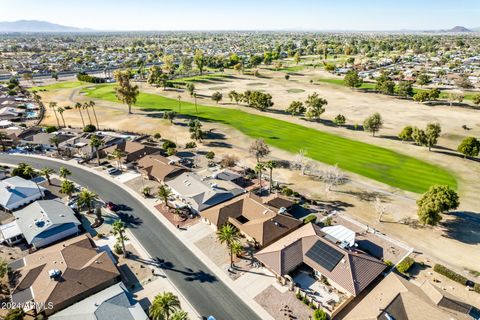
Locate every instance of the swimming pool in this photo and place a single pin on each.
(31, 106)
(31, 114)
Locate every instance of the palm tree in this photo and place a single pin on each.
(271, 165)
(61, 111)
(163, 193)
(179, 97)
(179, 315)
(228, 234)
(64, 173)
(96, 143)
(92, 105)
(195, 99)
(85, 198)
(119, 231)
(29, 171)
(78, 106)
(258, 170)
(237, 248)
(54, 141)
(3, 137)
(67, 188)
(118, 154)
(53, 105)
(85, 107)
(46, 172)
(163, 306)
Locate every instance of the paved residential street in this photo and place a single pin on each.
(207, 294)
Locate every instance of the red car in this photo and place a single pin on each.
(111, 206)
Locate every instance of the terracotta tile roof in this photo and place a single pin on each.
(255, 219)
(353, 271)
(402, 299)
(158, 167)
(84, 269)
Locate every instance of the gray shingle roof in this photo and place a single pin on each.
(15, 189)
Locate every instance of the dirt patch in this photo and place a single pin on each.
(283, 305)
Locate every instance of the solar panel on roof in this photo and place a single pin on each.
(324, 255)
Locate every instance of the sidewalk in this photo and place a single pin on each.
(235, 286)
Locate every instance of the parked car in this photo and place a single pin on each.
(73, 203)
(113, 171)
(111, 206)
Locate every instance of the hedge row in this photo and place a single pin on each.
(310, 218)
(86, 78)
(450, 274)
(405, 264)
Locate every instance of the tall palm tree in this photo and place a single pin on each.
(85, 107)
(85, 198)
(67, 188)
(259, 170)
(3, 137)
(29, 171)
(96, 143)
(92, 105)
(46, 172)
(53, 105)
(163, 193)
(64, 173)
(270, 165)
(118, 154)
(163, 306)
(179, 97)
(119, 232)
(228, 234)
(61, 111)
(78, 106)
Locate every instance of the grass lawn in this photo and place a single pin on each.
(374, 162)
(60, 85)
(201, 78)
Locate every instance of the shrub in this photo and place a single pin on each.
(89, 128)
(450, 274)
(50, 129)
(171, 151)
(287, 191)
(405, 264)
(167, 144)
(190, 145)
(311, 218)
(157, 135)
(319, 314)
(117, 248)
(388, 263)
(476, 287)
(210, 155)
(15, 314)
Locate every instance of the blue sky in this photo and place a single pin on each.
(247, 14)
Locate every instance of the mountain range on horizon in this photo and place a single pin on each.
(31, 26)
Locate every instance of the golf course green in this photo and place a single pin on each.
(384, 165)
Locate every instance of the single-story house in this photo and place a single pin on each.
(44, 139)
(201, 193)
(9, 113)
(133, 150)
(114, 302)
(159, 168)
(56, 277)
(10, 233)
(397, 298)
(46, 221)
(256, 220)
(348, 270)
(16, 192)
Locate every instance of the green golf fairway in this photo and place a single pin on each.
(392, 168)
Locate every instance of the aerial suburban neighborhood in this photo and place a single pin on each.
(219, 161)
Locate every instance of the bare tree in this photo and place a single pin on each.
(333, 176)
(380, 208)
(259, 149)
(301, 162)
